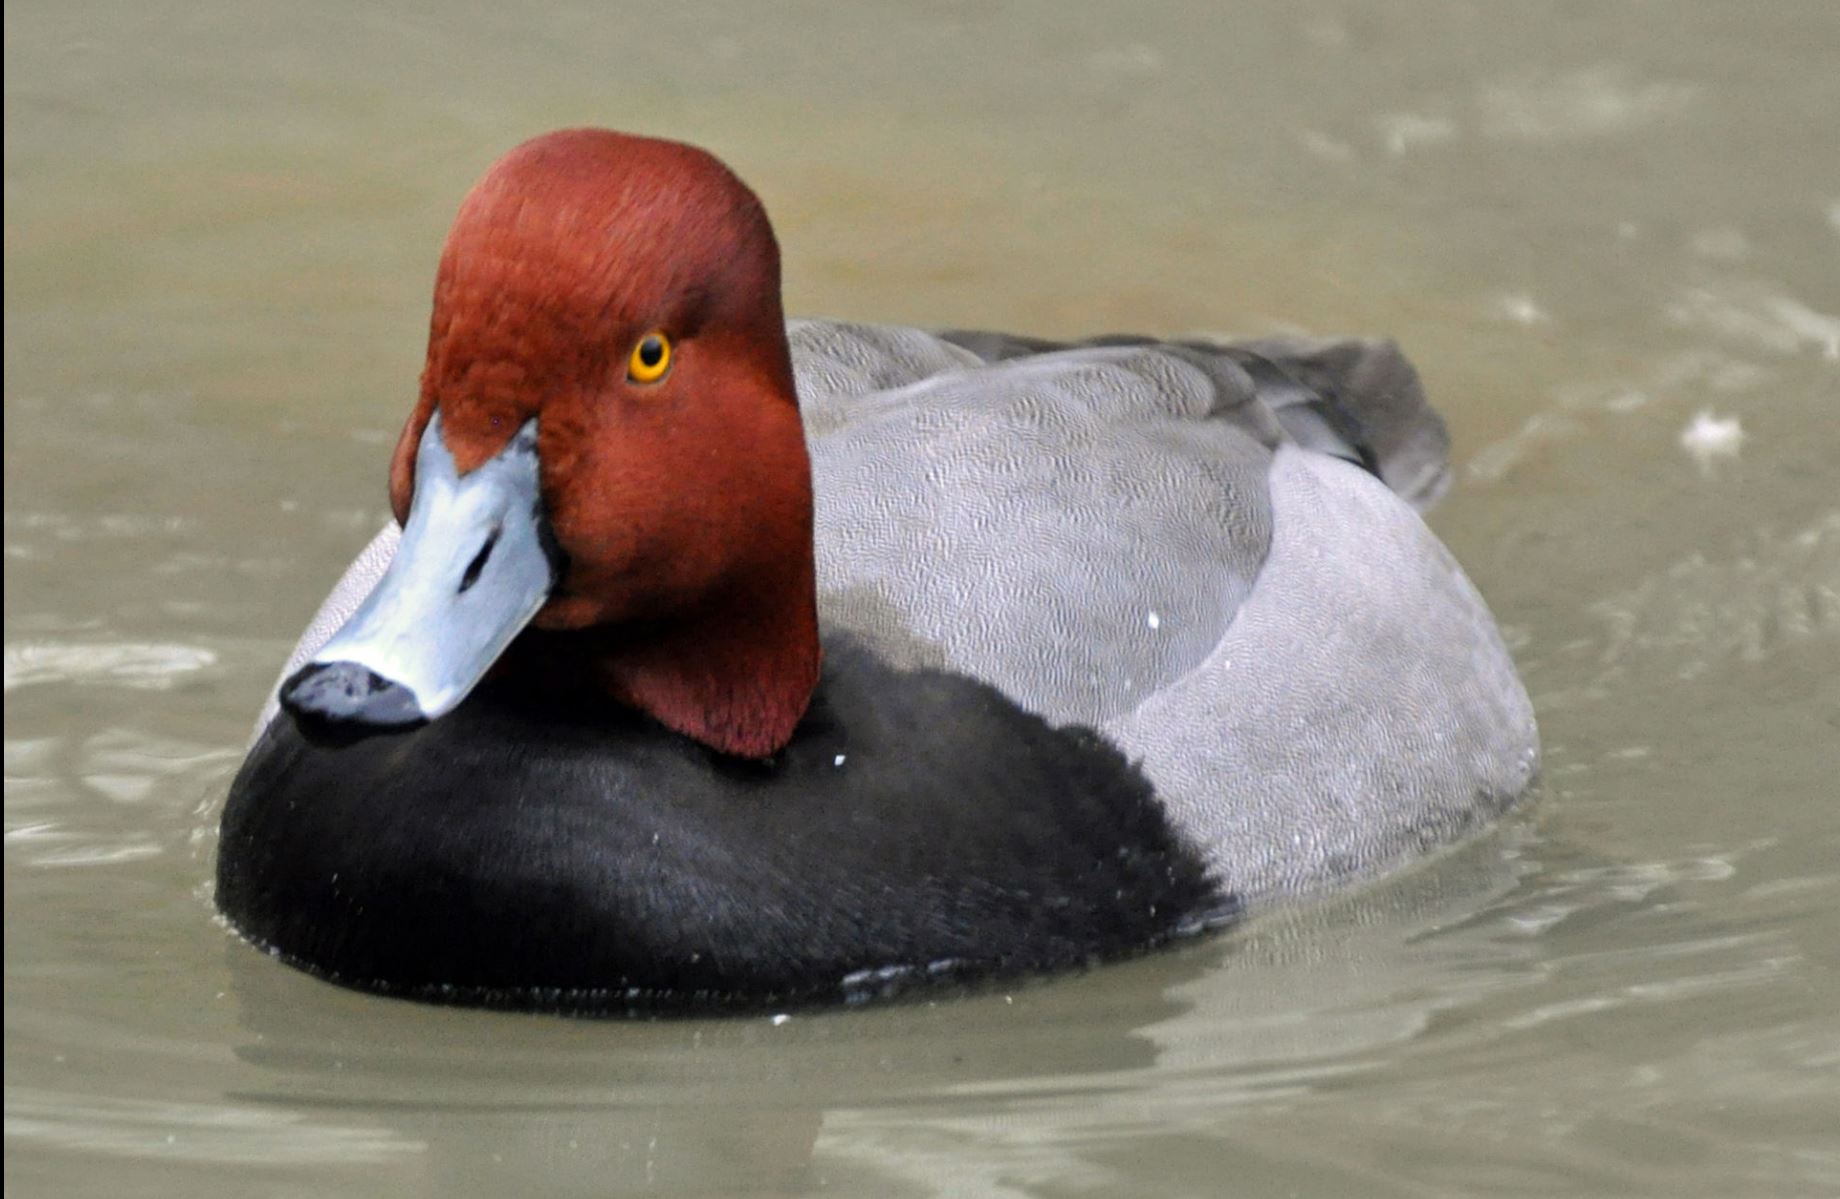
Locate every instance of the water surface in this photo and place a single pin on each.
(1592, 226)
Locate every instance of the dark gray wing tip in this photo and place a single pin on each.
(1366, 394)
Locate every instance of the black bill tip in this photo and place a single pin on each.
(347, 693)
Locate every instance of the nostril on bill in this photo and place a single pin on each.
(350, 693)
(478, 563)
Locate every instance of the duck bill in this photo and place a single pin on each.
(476, 562)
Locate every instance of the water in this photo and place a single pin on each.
(1589, 224)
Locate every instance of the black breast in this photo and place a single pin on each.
(520, 852)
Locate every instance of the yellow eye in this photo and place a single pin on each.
(651, 358)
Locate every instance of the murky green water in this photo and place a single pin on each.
(1589, 223)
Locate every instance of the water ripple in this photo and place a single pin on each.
(142, 665)
(198, 1132)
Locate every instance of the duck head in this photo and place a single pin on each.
(606, 447)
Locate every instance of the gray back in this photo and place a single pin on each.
(1077, 528)
(1208, 552)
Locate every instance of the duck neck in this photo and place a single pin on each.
(736, 674)
(736, 668)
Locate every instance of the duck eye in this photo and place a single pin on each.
(651, 358)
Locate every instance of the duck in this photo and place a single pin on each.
(717, 661)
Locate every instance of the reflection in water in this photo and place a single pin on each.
(1036, 1079)
(591, 1106)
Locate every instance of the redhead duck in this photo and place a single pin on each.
(713, 660)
